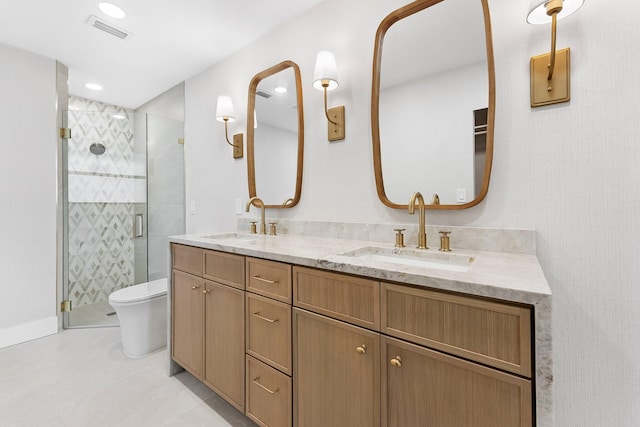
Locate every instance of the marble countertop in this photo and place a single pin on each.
(511, 277)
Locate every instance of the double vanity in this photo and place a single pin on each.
(316, 331)
(332, 325)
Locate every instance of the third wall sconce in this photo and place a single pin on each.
(325, 78)
(225, 113)
(550, 72)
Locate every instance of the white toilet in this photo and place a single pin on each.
(142, 311)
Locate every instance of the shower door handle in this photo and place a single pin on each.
(138, 226)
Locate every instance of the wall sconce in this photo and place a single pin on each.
(550, 73)
(325, 78)
(224, 113)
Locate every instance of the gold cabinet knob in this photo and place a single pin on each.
(206, 291)
(193, 288)
(396, 362)
(361, 349)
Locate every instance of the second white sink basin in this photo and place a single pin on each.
(414, 257)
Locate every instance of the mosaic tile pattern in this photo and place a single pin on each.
(101, 250)
(102, 192)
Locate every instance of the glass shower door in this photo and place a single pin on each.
(105, 193)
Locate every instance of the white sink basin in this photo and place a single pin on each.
(413, 258)
(235, 237)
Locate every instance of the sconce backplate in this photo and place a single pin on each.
(238, 151)
(556, 90)
(336, 131)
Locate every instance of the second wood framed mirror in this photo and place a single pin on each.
(275, 136)
(433, 103)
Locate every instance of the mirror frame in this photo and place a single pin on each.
(386, 23)
(251, 105)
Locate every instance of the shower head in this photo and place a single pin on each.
(97, 149)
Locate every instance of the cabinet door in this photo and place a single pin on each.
(422, 387)
(224, 338)
(336, 373)
(187, 305)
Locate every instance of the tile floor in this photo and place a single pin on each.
(97, 314)
(80, 377)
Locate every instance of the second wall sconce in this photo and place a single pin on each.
(325, 78)
(550, 72)
(225, 113)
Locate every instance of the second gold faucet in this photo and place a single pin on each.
(422, 234)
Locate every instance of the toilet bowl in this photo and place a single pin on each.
(142, 311)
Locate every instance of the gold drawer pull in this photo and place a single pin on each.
(193, 288)
(257, 314)
(361, 349)
(255, 380)
(396, 362)
(271, 282)
(206, 291)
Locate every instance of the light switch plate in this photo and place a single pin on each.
(461, 195)
(238, 206)
(192, 207)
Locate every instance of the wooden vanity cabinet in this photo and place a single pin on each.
(208, 319)
(351, 351)
(336, 373)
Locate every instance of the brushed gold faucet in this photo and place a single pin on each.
(257, 202)
(422, 235)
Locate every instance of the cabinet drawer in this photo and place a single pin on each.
(224, 268)
(269, 331)
(340, 296)
(269, 278)
(187, 259)
(493, 333)
(268, 395)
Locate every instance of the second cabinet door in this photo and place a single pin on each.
(224, 342)
(422, 387)
(336, 373)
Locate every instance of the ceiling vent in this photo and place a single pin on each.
(263, 94)
(103, 25)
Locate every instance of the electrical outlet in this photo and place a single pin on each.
(238, 206)
(192, 207)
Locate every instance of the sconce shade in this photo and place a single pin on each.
(325, 70)
(224, 109)
(538, 13)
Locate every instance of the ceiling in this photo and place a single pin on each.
(171, 40)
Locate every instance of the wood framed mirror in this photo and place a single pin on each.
(275, 136)
(433, 103)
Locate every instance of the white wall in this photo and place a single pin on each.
(570, 171)
(28, 196)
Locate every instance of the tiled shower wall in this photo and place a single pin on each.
(104, 193)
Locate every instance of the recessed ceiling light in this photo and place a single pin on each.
(112, 10)
(280, 89)
(93, 86)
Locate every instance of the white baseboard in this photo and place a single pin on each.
(28, 331)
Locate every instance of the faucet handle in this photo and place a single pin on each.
(444, 241)
(399, 237)
(272, 228)
(254, 230)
